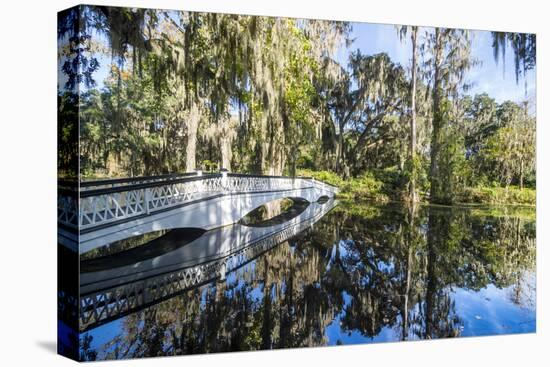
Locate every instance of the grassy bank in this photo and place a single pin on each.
(366, 187)
(386, 185)
(498, 195)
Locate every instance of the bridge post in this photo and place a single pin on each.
(222, 271)
(147, 199)
(200, 184)
(224, 182)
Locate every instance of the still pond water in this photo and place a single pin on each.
(359, 274)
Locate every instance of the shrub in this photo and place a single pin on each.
(365, 187)
(325, 176)
(498, 195)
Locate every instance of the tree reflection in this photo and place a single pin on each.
(385, 268)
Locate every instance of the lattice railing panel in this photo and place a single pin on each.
(67, 211)
(110, 207)
(107, 208)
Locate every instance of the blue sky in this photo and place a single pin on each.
(486, 77)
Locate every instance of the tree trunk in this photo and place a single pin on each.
(412, 147)
(225, 145)
(521, 174)
(191, 148)
(340, 149)
(226, 154)
(293, 162)
(275, 165)
(437, 123)
(273, 155)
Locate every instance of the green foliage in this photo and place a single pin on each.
(454, 168)
(350, 206)
(497, 195)
(524, 46)
(325, 176)
(265, 95)
(525, 212)
(394, 181)
(67, 120)
(511, 149)
(209, 166)
(367, 188)
(416, 170)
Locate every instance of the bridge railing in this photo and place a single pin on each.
(128, 181)
(67, 207)
(104, 203)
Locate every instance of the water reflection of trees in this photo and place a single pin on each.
(388, 269)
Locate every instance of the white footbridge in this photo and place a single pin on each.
(96, 213)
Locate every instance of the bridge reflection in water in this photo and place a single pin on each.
(111, 293)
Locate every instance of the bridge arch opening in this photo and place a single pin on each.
(275, 212)
(323, 199)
